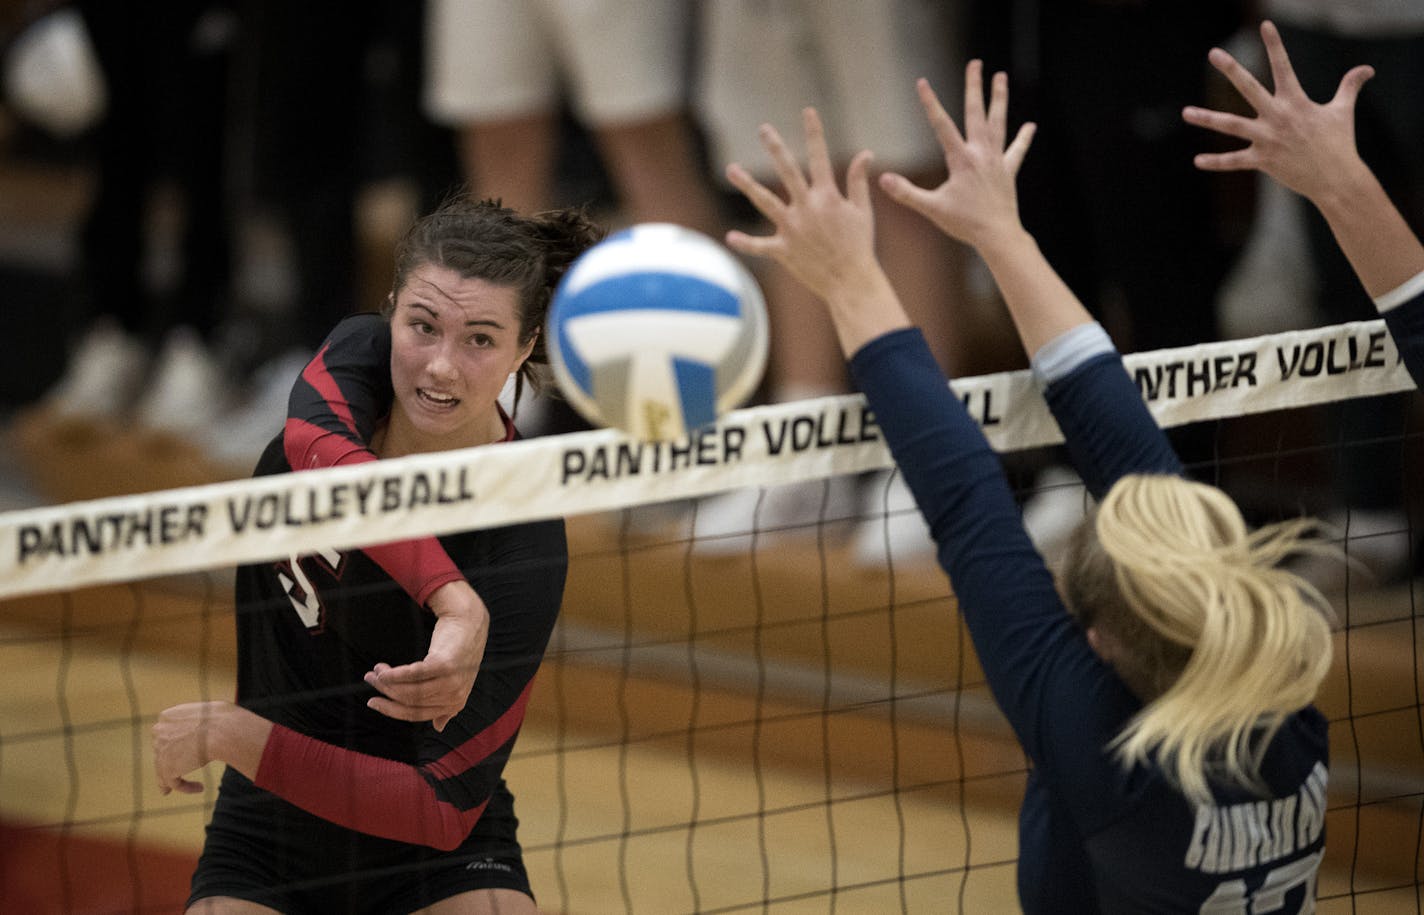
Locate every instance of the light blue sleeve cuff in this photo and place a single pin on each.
(1057, 358)
(1401, 293)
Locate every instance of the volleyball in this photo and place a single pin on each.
(657, 330)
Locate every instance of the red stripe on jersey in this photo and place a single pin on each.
(375, 796)
(317, 375)
(479, 747)
(309, 446)
(418, 566)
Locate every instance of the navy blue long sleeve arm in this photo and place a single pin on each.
(1106, 426)
(1029, 646)
(1406, 325)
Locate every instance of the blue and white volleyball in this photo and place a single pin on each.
(657, 330)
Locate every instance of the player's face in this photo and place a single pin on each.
(454, 343)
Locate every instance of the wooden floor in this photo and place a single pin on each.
(605, 825)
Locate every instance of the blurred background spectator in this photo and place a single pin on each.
(856, 61)
(515, 78)
(1109, 189)
(222, 186)
(247, 185)
(152, 315)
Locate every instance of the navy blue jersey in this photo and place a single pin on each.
(1093, 835)
(1406, 324)
(309, 627)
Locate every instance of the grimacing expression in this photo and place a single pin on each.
(454, 343)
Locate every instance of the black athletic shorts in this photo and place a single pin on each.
(264, 850)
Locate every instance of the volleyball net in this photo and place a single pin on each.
(764, 718)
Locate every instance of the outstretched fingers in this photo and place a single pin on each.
(766, 203)
(420, 691)
(1282, 73)
(754, 245)
(998, 110)
(858, 179)
(974, 114)
(1350, 85)
(945, 130)
(1014, 155)
(784, 161)
(988, 126)
(1250, 88)
(1233, 125)
(908, 194)
(758, 194)
(818, 155)
(1238, 160)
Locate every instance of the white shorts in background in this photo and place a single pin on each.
(621, 61)
(856, 61)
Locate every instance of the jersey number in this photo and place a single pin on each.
(1230, 897)
(305, 599)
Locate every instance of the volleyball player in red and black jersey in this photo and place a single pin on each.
(1310, 148)
(337, 796)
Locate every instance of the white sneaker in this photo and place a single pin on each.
(103, 375)
(1059, 504)
(892, 529)
(724, 523)
(186, 391)
(238, 438)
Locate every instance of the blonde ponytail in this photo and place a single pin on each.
(1252, 640)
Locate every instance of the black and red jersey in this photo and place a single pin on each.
(334, 409)
(310, 626)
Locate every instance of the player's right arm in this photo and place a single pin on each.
(1310, 148)
(334, 409)
(434, 800)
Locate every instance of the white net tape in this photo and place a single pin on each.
(180, 530)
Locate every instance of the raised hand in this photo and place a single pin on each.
(977, 202)
(823, 237)
(1308, 147)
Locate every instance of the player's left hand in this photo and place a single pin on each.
(189, 736)
(437, 687)
(977, 202)
(1308, 147)
(825, 238)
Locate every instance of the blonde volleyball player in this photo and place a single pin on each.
(327, 804)
(1310, 148)
(1165, 698)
